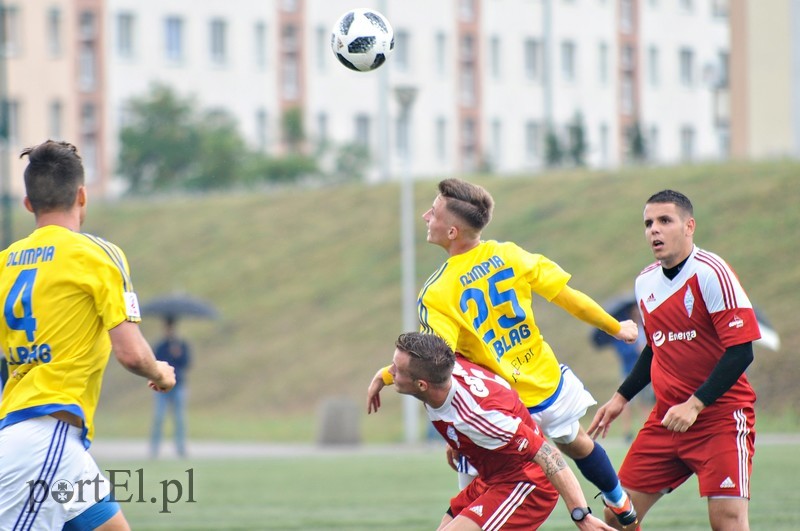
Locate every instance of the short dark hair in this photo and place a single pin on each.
(470, 202)
(432, 359)
(53, 176)
(676, 198)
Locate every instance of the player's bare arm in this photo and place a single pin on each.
(565, 482)
(374, 392)
(134, 353)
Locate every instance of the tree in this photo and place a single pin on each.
(637, 148)
(577, 137)
(159, 146)
(293, 131)
(554, 154)
(169, 144)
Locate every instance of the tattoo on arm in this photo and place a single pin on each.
(550, 459)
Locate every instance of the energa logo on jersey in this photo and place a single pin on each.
(659, 338)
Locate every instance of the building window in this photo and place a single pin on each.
(322, 129)
(469, 144)
(687, 5)
(290, 68)
(260, 44)
(362, 132)
(626, 94)
(687, 143)
(9, 31)
(9, 117)
(495, 55)
(719, 8)
(89, 141)
(219, 41)
(88, 29)
(441, 54)
(533, 59)
(628, 59)
(87, 68)
(401, 51)
(652, 144)
(466, 10)
(568, 60)
(174, 39)
(322, 46)
(604, 147)
(56, 112)
(125, 34)
(687, 67)
(289, 6)
(497, 143)
(54, 31)
(467, 76)
(626, 16)
(533, 135)
(441, 139)
(262, 138)
(652, 66)
(602, 63)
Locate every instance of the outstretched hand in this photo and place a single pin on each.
(606, 415)
(374, 392)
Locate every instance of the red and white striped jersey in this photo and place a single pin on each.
(689, 322)
(487, 422)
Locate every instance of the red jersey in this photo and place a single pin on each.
(689, 321)
(487, 422)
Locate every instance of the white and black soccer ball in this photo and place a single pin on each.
(362, 39)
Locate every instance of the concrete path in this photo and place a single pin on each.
(138, 449)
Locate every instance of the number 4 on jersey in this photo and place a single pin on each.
(21, 291)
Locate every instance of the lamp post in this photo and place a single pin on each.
(405, 96)
(5, 132)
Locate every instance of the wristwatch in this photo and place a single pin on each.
(579, 513)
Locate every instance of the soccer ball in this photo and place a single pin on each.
(362, 39)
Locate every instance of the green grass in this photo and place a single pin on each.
(398, 492)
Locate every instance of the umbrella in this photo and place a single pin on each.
(621, 307)
(177, 305)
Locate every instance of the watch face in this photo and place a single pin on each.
(579, 513)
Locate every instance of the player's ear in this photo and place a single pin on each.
(422, 385)
(452, 232)
(690, 225)
(27, 203)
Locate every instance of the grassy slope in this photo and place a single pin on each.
(308, 282)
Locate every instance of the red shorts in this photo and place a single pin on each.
(521, 505)
(720, 451)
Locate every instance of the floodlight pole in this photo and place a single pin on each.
(405, 96)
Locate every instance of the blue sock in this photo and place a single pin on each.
(597, 468)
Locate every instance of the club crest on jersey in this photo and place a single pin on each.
(688, 301)
(451, 434)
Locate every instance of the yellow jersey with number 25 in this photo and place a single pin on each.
(61, 291)
(480, 303)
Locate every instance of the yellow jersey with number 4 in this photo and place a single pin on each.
(61, 291)
(480, 303)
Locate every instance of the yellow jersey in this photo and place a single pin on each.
(480, 303)
(61, 292)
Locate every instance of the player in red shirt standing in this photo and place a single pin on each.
(478, 414)
(700, 326)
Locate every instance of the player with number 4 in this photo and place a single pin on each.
(479, 301)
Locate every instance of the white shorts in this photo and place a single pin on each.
(47, 476)
(560, 422)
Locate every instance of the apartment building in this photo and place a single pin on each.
(492, 77)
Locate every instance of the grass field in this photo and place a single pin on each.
(395, 492)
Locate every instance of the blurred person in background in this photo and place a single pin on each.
(175, 351)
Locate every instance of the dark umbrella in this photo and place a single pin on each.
(621, 307)
(178, 305)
